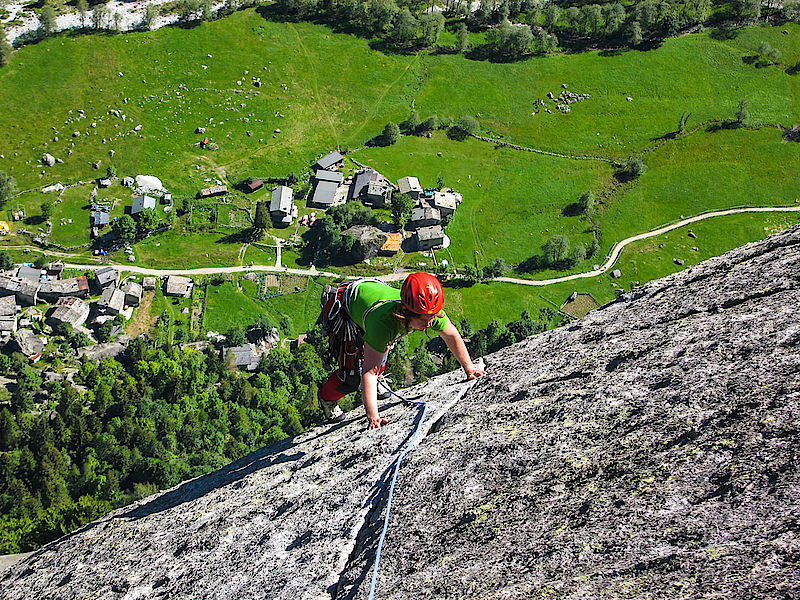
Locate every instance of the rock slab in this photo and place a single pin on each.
(648, 450)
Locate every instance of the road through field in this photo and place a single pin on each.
(609, 262)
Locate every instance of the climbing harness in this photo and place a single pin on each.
(391, 486)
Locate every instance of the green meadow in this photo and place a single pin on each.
(324, 90)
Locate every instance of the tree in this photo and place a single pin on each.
(380, 15)
(432, 24)
(47, 210)
(462, 38)
(496, 269)
(148, 221)
(99, 16)
(125, 229)
(47, 20)
(469, 125)
(402, 205)
(615, 17)
(552, 14)
(8, 187)
(742, 113)
(405, 27)
(6, 262)
(411, 123)
(149, 17)
(5, 47)
(556, 250)
(634, 167)
(635, 34)
(261, 218)
(206, 9)
(117, 18)
(593, 16)
(586, 202)
(429, 124)
(236, 336)
(83, 10)
(390, 135)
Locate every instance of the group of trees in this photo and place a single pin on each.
(8, 187)
(128, 229)
(158, 416)
(558, 252)
(325, 243)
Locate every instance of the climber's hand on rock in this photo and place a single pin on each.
(377, 422)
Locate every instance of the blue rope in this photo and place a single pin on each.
(391, 488)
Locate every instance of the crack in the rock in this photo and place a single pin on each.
(368, 532)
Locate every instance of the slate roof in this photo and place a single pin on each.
(70, 310)
(281, 200)
(106, 276)
(330, 159)
(142, 202)
(323, 175)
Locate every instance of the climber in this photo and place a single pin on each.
(363, 320)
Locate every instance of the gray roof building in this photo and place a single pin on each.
(327, 182)
(100, 218)
(29, 272)
(245, 357)
(50, 291)
(106, 276)
(133, 293)
(69, 310)
(430, 237)
(329, 160)
(424, 216)
(111, 301)
(8, 306)
(175, 285)
(281, 207)
(142, 202)
(410, 186)
(8, 324)
(149, 282)
(24, 291)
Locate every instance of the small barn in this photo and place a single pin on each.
(330, 161)
(253, 186)
(142, 202)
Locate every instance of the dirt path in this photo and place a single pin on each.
(610, 260)
(619, 246)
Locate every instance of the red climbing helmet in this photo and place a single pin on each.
(422, 293)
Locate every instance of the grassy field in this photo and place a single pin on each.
(513, 200)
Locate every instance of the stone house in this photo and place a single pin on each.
(371, 187)
(111, 301)
(281, 207)
(175, 285)
(149, 282)
(69, 310)
(326, 184)
(50, 291)
(330, 161)
(142, 202)
(107, 276)
(430, 237)
(24, 291)
(133, 293)
(424, 216)
(410, 186)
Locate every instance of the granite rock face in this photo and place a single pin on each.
(648, 450)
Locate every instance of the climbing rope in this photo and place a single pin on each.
(391, 486)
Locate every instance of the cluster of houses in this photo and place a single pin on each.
(26, 287)
(330, 188)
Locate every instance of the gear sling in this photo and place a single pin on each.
(346, 346)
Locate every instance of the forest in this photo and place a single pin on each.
(120, 430)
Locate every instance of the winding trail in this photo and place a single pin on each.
(610, 260)
(619, 246)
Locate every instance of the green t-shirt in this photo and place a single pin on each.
(381, 327)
